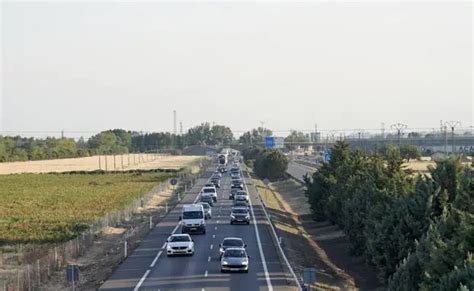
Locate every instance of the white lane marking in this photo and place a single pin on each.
(209, 259)
(217, 221)
(215, 227)
(213, 236)
(264, 263)
(156, 259)
(139, 284)
(206, 273)
(211, 247)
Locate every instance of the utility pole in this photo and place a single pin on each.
(315, 133)
(174, 122)
(360, 132)
(399, 127)
(62, 134)
(383, 130)
(453, 125)
(181, 128)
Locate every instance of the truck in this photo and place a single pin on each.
(222, 159)
(193, 219)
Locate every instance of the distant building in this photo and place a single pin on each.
(315, 136)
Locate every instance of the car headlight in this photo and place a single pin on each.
(168, 247)
(232, 216)
(245, 262)
(221, 250)
(247, 217)
(225, 263)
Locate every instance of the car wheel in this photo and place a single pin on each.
(204, 232)
(248, 222)
(246, 271)
(222, 271)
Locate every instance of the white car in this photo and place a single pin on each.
(209, 191)
(241, 196)
(180, 244)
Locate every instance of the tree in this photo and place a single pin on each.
(200, 135)
(295, 137)
(409, 152)
(271, 164)
(255, 136)
(221, 135)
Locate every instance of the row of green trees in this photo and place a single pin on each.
(117, 141)
(266, 163)
(417, 231)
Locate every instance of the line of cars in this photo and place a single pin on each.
(232, 250)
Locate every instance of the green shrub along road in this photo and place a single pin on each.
(418, 231)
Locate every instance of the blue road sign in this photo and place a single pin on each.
(327, 155)
(174, 181)
(309, 276)
(72, 273)
(269, 142)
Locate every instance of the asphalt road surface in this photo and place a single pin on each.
(298, 170)
(148, 267)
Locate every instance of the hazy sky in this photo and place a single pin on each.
(89, 66)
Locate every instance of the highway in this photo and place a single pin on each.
(297, 170)
(148, 267)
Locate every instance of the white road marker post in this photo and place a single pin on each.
(125, 249)
(151, 222)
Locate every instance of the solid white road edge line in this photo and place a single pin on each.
(259, 243)
(142, 280)
(156, 259)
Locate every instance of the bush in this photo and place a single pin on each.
(271, 164)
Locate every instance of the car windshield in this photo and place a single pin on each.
(234, 254)
(240, 211)
(192, 215)
(241, 193)
(233, 242)
(179, 238)
(209, 190)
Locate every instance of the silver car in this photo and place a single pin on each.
(235, 260)
(230, 242)
(241, 196)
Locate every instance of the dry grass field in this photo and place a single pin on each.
(122, 162)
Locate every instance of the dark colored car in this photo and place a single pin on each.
(240, 215)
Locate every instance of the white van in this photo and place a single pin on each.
(193, 219)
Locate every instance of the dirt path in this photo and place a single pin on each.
(312, 244)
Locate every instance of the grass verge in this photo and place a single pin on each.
(286, 203)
